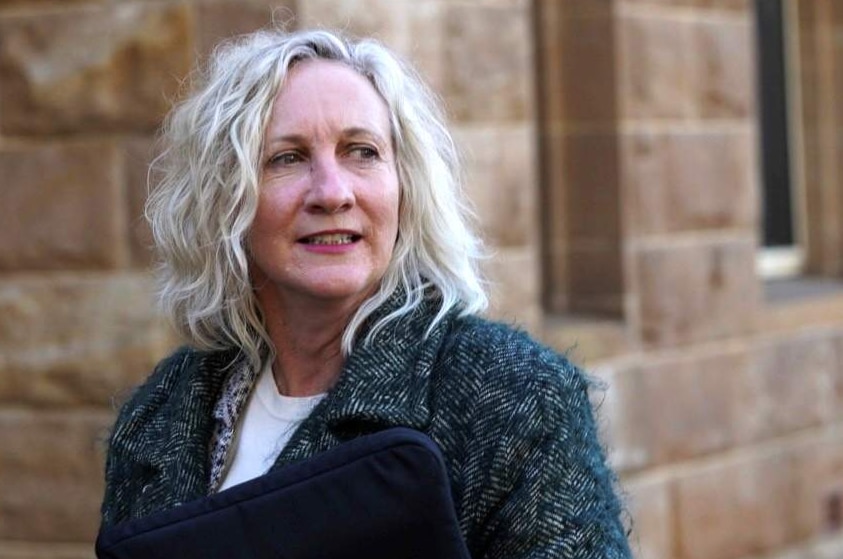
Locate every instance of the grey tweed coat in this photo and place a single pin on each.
(512, 418)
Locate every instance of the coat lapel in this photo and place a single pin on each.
(385, 383)
(168, 435)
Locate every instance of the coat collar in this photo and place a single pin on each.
(385, 382)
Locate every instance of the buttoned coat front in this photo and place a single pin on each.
(512, 418)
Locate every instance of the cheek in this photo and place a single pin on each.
(257, 230)
(271, 211)
(266, 230)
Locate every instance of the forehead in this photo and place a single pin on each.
(321, 94)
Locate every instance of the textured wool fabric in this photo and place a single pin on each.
(513, 420)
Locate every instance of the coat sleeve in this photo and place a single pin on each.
(559, 495)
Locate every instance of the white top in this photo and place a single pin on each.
(264, 428)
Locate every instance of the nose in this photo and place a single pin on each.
(330, 189)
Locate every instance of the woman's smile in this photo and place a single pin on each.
(331, 239)
(331, 243)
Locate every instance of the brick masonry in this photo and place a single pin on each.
(610, 151)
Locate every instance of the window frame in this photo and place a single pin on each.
(786, 260)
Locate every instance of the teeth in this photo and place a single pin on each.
(334, 239)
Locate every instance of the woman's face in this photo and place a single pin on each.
(327, 215)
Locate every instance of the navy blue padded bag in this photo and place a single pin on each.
(380, 496)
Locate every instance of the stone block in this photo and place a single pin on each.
(575, 51)
(62, 74)
(137, 154)
(587, 340)
(77, 341)
(513, 277)
(549, 56)
(584, 8)
(737, 508)
(413, 28)
(581, 212)
(651, 511)
(680, 67)
(426, 40)
(557, 293)
(802, 302)
(724, 5)
(47, 4)
(820, 492)
(696, 291)
(656, 3)
(725, 73)
(35, 550)
(217, 20)
(488, 70)
(741, 6)
(619, 414)
(828, 548)
(679, 407)
(690, 181)
(790, 379)
(501, 183)
(553, 167)
(592, 187)
(834, 397)
(586, 92)
(52, 469)
(655, 61)
(596, 278)
(61, 208)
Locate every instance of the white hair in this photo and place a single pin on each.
(207, 195)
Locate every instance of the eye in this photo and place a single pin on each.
(365, 152)
(285, 159)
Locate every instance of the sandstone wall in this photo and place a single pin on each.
(723, 411)
(83, 86)
(621, 176)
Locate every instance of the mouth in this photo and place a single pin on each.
(330, 239)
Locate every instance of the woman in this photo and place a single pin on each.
(315, 252)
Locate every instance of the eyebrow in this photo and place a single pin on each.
(355, 131)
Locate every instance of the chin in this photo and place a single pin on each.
(342, 288)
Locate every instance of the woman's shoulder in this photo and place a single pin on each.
(506, 364)
(163, 376)
(170, 377)
(509, 352)
(527, 443)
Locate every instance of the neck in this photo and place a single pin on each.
(307, 337)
